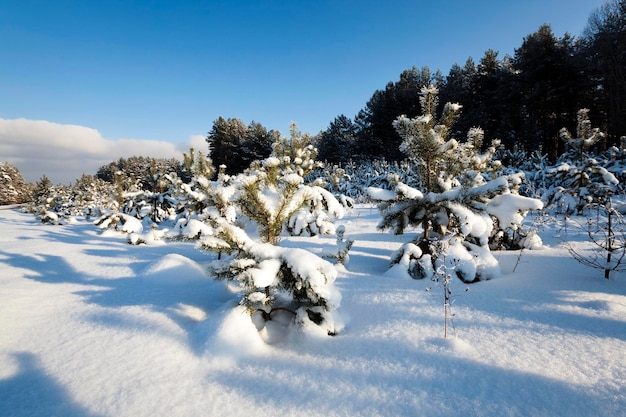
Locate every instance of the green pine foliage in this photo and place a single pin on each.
(579, 178)
(274, 195)
(460, 182)
(13, 188)
(274, 278)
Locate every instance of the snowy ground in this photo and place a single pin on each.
(91, 326)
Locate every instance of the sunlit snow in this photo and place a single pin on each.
(93, 326)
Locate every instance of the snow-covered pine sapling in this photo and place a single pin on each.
(200, 193)
(120, 222)
(343, 247)
(275, 278)
(607, 231)
(269, 194)
(586, 136)
(578, 178)
(460, 182)
(274, 195)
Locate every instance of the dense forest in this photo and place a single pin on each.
(523, 100)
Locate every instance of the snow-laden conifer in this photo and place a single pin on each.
(579, 177)
(458, 201)
(199, 194)
(274, 278)
(273, 196)
(13, 188)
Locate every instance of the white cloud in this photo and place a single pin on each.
(65, 152)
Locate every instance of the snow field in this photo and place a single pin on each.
(92, 326)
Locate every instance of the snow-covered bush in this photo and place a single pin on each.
(274, 278)
(50, 217)
(272, 193)
(272, 196)
(120, 222)
(341, 253)
(13, 188)
(460, 183)
(201, 193)
(579, 178)
(508, 212)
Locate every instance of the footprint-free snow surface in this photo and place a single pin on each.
(92, 326)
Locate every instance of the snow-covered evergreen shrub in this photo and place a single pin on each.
(200, 194)
(341, 253)
(578, 177)
(120, 222)
(13, 188)
(272, 193)
(50, 217)
(274, 278)
(460, 183)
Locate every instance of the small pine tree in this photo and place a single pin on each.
(275, 278)
(269, 194)
(460, 183)
(578, 178)
(13, 188)
(273, 191)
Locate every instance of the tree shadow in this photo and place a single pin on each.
(184, 294)
(32, 392)
(554, 306)
(371, 382)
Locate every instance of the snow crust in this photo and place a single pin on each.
(92, 326)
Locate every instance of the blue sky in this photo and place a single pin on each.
(164, 70)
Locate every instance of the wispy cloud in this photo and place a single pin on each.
(64, 152)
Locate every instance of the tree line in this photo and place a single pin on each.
(523, 100)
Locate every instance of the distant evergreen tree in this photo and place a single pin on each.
(376, 136)
(337, 143)
(605, 53)
(458, 88)
(549, 79)
(234, 144)
(43, 189)
(13, 188)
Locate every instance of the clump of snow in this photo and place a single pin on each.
(607, 176)
(471, 223)
(380, 194)
(121, 222)
(191, 228)
(174, 269)
(457, 261)
(531, 241)
(50, 217)
(508, 208)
